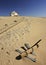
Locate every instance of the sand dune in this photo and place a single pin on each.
(15, 32)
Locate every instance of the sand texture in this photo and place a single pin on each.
(15, 32)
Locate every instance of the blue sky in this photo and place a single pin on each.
(35, 8)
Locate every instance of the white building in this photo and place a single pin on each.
(14, 13)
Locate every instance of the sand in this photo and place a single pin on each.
(15, 32)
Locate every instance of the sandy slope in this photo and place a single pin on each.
(15, 32)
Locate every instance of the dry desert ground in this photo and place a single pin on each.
(15, 32)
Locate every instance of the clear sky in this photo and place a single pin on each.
(35, 8)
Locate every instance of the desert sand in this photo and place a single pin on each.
(15, 32)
